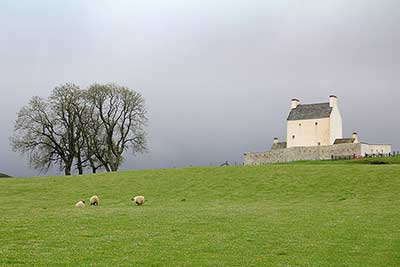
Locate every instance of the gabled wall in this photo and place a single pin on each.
(336, 128)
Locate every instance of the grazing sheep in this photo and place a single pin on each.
(94, 200)
(80, 204)
(139, 200)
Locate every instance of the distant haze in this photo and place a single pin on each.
(217, 76)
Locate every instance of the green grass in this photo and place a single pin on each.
(328, 214)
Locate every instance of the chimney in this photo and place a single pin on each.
(276, 140)
(355, 137)
(333, 101)
(295, 103)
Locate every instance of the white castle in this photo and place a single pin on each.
(315, 132)
(314, 124)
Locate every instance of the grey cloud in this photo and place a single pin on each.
(217, 75)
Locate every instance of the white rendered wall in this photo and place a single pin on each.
(376, 149)
(308, 132)
(336, 126)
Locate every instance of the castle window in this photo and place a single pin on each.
(316, 123)
(319, 143)
(293, 136)
(299, 124)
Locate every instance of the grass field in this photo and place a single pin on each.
(303, 214)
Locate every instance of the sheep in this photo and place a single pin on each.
(139, 200)
(80, 204)
(94, 200)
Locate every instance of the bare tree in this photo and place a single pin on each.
(65, 102)
(122, 116)
(92, 143)
(36, 135)
(86, 128)
(45, 130)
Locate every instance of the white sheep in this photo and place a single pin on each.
(80, 204)
(94, 200)
(139, 200)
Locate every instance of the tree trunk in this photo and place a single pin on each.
(79, 165)
(92, 165)
(80, 169)
(114, 168)
(67, 171)
(107, 167)
(79, 162)
(68, 166)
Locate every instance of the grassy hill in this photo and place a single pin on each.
(2, 175)
(306, 214)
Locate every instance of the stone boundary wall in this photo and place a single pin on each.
(302, 153)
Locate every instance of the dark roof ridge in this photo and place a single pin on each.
(310, 111)
(313, 104)
(344, 141)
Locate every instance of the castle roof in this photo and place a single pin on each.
(344, 141)
(310, 111)
(279, 145)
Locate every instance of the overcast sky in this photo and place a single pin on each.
(217, 76)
